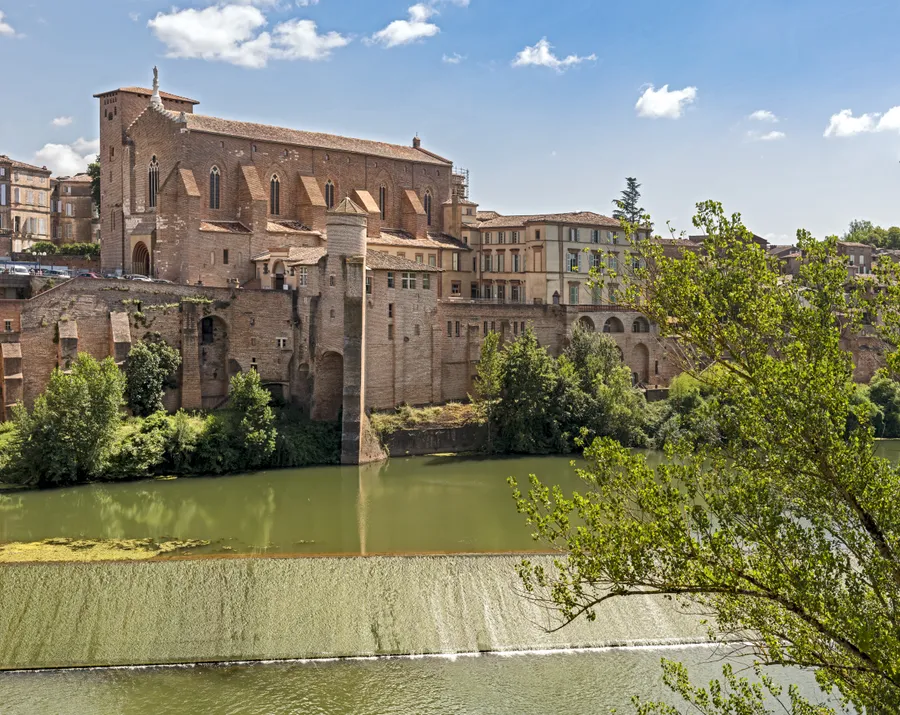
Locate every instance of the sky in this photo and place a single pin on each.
(786, 111)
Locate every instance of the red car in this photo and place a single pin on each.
(87, 274)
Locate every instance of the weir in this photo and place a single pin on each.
(237, 609)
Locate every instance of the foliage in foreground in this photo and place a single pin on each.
(786, 530)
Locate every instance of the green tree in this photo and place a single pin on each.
(255, 430)
(528, 415)
(67, 436)
(87, 250)
(489, 380)
(94, 172)
(42, 248)
(786, 530)
(628, 207)
(149, 370)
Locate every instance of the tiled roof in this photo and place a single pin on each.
(22, 165)
(283, 135)
(486, 215)
(254, 185)
(190, 183)
(386, 262)
(224, 227)
(148, 93)
(296, 255)
(582, 218)
(288, 227)
(853, 244)
(402, 239)
(78, 178)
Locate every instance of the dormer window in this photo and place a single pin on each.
(329, 194)
(214, 184)
(275, 196)
(153, 181)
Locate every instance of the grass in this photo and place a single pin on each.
(453, 414)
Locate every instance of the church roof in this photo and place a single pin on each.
(318, 140)
(401, 239)
(143, 91)
(224, 227)
(347, 207)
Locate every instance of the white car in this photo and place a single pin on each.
(18, 271)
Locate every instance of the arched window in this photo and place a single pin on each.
(153, 181)
(428, 206)
(214, 184)
(382, 201)
(275, 196)
(640, 325)
(329, 194)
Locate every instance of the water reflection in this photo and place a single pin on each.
(423, 504)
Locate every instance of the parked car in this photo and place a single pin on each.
(86, 274)
(162, 280)
(18, 271)
(139, 277)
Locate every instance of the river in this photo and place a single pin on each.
(417, 505)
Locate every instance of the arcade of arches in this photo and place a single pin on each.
(140, 259)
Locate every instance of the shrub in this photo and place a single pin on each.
(149, 370)
(69, 434)
(255, 432)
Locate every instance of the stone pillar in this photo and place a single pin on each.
(347, 242)
(191, 396)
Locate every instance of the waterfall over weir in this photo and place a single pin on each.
(230, 609)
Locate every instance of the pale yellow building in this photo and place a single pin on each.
(24, 202)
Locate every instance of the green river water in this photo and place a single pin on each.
(418, 505)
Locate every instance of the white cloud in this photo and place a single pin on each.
(541, 55)
(763, 115)
(844, 124)
(661, 103)
(298, 40)
(307, 3)
(68, 159)
(453, 59)
(6, 29)
(134, 16)
(890, 121)
(232, 33)
(62, 121)
(765, 136)
(403, 32)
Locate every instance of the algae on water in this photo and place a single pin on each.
(66, 549)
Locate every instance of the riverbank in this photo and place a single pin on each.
(64, 549)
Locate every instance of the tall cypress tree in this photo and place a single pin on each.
(628, 207)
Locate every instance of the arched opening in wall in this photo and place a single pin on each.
(300, 392)
(640, 325)
(586, 323)
(613, 325)
(213, 362)
(641, 364)
(140, 259)
(329, 387)
(278, 275)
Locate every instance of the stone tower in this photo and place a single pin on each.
(346, 258)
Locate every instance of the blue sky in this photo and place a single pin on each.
(548, 104)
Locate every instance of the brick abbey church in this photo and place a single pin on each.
(351, 274)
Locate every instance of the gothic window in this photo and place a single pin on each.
(153, 181)
(329, 194)
(214, 184)
(382, 201)
(428, 206)
(275, 196)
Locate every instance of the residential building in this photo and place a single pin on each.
(24, 202)
(72, 210)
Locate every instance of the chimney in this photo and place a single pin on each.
(417, 143)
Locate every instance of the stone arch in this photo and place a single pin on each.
(278, 273)
(140, 259)
(640, 325)
(328, 390)
(587, 323)
(213, 340)
(641, 363)
(613, 325)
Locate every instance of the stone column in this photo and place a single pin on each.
(191, 396)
